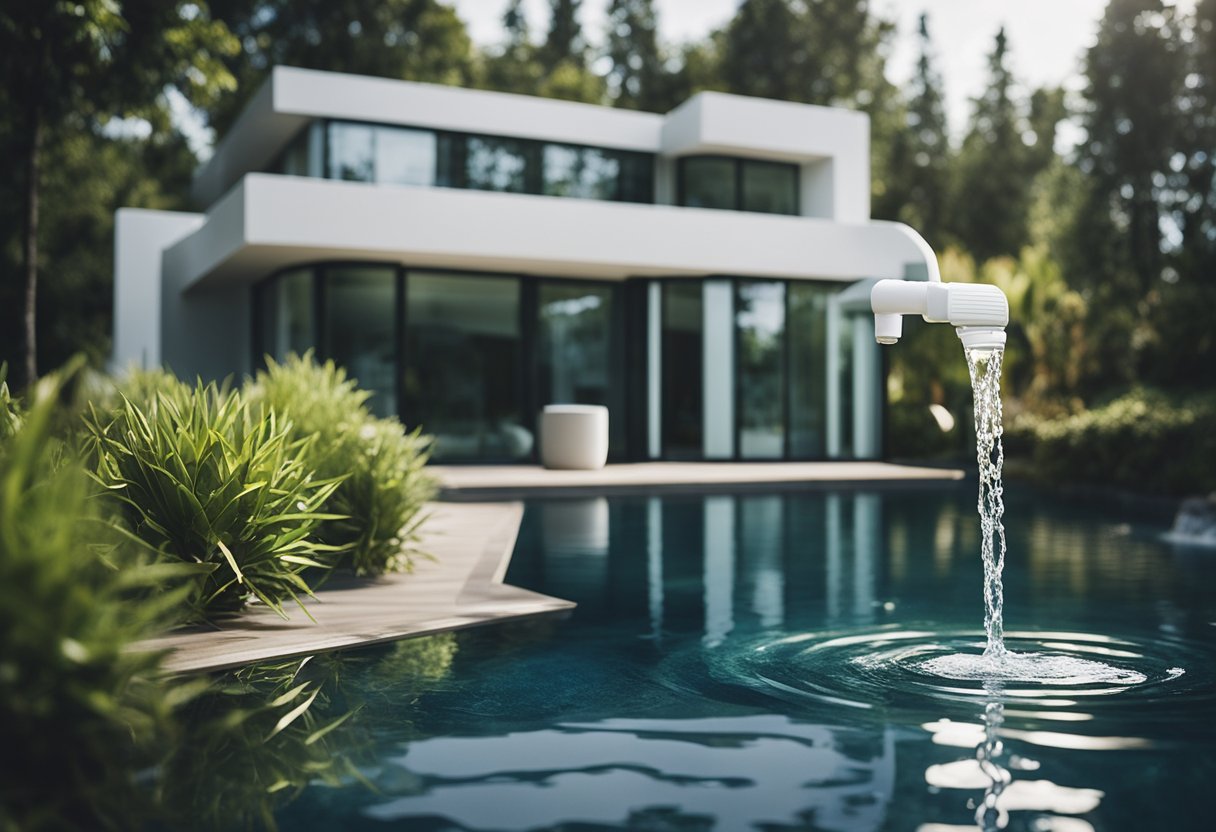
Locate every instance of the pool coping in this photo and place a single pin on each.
(460, 586)
(514, 482)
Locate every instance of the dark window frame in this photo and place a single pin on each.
(632, 399)
(739, 163)
(457, 161)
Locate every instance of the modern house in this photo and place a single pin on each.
(472, 256)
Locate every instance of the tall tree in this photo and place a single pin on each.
(513, 66)
(1001, 155)
(416, 40)
(565, 41)
(1133, 73)
(637, 76)
(817, 51)
(916, 190)
(1188, 352)
(88, 59)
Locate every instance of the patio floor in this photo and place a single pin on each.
(502, 482)
(462, 587)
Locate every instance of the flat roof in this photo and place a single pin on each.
(708, 122)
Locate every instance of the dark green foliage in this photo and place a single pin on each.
(1143, 441)
(416, 40)
(637, 77)
(10, 413)
(207, 479)
(80, 713)
(565, 40)
(384, 484)
(917, 184)
(996, 166)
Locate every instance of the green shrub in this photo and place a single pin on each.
(386, 485)
(10, 417)
(79, 712)
(205, 478)
(1144, 441)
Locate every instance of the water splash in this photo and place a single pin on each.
(985, 369)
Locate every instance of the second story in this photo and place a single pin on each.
(715, 151)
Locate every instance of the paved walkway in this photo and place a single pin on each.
(472, 544)
(488, 482)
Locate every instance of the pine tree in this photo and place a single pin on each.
(565, 40)
(514, 67)
(916, 190)
(992, 199)
(1114, 252)
(637, 77)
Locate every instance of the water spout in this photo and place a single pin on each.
(978, 312)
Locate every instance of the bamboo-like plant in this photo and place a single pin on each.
(385, 486)
(205, 478)
(80, 713)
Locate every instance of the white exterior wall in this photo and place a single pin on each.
(183, 281)
(140, 238)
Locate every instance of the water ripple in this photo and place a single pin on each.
(917, 670)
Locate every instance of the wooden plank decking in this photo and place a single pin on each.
(472, 544)
(488, 482)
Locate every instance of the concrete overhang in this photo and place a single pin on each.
(735, 125)
(290, 98)
(269, 222)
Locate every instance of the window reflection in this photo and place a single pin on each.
(285, 315)
(360, 307)
(351, 151)
(682, 352)
(405, 157)
(739, 184)
(760, 321)
(708, 183)
(578, 350)
(580, 171)
(463, 365)
(808, 369)
(498, 164)
(770, 187)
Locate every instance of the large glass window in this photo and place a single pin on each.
(500, 165)
(578, 350)
(405, 157)
(808, 369)
(682, 350)
(285, 319)
(360, 321)
(738, 184)
(462, 369)
(351, 151)
(594, 173)
(770, 187)
(760, 324)
(708, 183)
(580, 171)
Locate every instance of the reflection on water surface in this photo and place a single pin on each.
(750, 663)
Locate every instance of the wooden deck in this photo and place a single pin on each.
(488, 482)
(472, 544)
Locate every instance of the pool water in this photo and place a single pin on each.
(771, 662)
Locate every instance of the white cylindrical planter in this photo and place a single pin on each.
(574, 436)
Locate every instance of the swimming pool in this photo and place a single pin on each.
(749, 662)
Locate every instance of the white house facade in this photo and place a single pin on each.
(472, 256)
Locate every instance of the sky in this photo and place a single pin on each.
(1047, 38)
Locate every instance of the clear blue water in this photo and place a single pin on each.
(756, 662)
